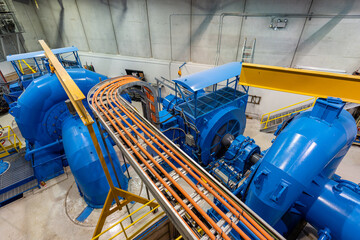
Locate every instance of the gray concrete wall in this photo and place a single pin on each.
(139, 31)
(141, 28)
(115, 65)
(26, 15)
(6, 68)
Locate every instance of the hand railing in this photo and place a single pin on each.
(266, 118)
(8, 136)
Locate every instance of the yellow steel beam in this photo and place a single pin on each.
(71, 89)
(305, 82)
(133, 197)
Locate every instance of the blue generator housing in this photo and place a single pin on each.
(204, 108)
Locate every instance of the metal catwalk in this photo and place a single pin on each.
(167, 171)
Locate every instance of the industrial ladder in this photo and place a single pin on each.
(247, 54)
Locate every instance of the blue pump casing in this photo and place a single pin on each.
(334, 208)
(91, 183)
(303, 157)
(55, 138)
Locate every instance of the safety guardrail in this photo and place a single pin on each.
(7, 134)
(269, 117)
(139, 229)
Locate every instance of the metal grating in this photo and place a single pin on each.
(211, 101)
(16, 191)
(19, 174)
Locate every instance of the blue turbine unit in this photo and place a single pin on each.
(55, 138)
(294, 180)
(289, 184)
(296, 175)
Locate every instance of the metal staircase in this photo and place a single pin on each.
(247, 54)
(270, 121)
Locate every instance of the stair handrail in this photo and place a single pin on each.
(280, 109)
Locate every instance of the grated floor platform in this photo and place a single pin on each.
(18, 179)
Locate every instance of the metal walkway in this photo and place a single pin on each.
(18, 179)
(151, 154)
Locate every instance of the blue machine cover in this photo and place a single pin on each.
(201, 80)
(40, 53)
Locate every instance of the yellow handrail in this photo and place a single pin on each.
(123, 219)
(28, 66)
(280, 109)
(12, 138)
(21, 68)
(137, 220)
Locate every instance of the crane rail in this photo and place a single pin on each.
(181, 187)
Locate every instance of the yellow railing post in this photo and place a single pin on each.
(21, 69)
(123, 230)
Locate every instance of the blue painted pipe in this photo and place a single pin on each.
(55, 143)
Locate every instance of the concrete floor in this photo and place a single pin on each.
(49, 212)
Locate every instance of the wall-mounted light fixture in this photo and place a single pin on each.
(278, 23)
